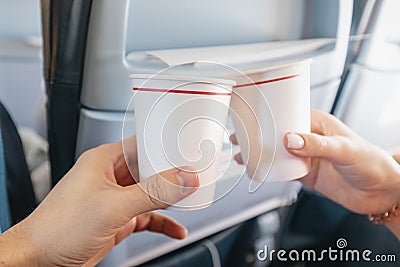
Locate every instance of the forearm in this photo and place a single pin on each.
(15, 249)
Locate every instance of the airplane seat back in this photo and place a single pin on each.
(92, 57)
(370, 94)
(87, 68)
(122, 27)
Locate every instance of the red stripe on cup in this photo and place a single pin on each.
(177, 91)
(268, 81)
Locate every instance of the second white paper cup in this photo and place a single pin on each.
(180, 121)
(260, 130)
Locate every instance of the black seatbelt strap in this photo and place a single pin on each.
(65, 29)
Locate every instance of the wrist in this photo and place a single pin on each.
(394, 224)
(391, 217)
(391, 196)
(16, 248)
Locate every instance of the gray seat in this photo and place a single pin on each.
(371, 91)
(17, 195)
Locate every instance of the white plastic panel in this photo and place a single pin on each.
(159, 24)
(19, 19)
(21, 83)
(96, 128)
(106, 85)
(382, 50)
(323, 96)
(381, 55)
(391, 20)
(372, 108)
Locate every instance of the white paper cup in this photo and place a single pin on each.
(260, 129)
(180, 121)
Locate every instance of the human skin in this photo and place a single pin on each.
(358, 175)
(93, 208)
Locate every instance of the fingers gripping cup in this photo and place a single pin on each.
(260, 130)
(180, 122)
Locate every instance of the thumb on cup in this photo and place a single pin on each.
(160, 190)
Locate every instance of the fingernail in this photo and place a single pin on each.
(295, 141)
(187, 179)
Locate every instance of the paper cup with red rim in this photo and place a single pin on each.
(275, 101)
(180, 121)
